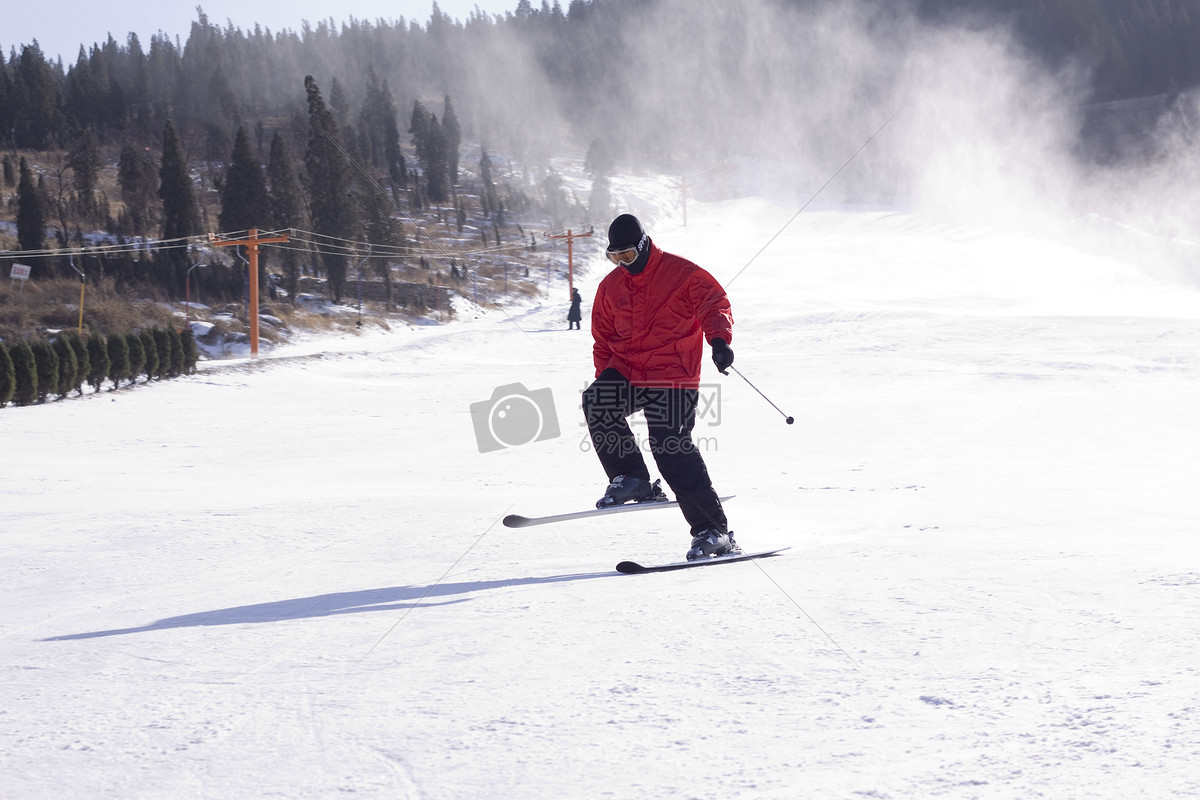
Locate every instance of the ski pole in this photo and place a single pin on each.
(787, 418)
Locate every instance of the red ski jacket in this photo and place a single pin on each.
(651, 327)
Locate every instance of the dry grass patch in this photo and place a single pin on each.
(40, 307)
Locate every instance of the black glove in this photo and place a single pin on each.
(722, 355)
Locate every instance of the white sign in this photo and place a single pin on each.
(20, 272)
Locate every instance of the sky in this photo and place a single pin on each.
(61, 26)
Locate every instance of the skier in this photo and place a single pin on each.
(650, 318)
(574, 316)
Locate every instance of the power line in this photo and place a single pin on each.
(832, 177)
(107, 249)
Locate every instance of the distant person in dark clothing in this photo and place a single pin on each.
(575, 314)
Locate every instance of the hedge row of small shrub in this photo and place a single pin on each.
(35, 372)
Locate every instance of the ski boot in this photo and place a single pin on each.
(711, 543)
(624, 489)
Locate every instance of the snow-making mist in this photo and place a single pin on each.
(806, 84)
(962, 120)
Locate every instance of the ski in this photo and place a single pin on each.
(518, 521)
(634, 568)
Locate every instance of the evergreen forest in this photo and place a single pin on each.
(399, 151)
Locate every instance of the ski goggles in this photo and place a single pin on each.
(624, 256)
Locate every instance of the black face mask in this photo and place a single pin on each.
(639, 263)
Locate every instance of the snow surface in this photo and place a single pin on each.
(288, 578)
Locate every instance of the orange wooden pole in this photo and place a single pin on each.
(252, 243)
(570, 237)
(252, 253)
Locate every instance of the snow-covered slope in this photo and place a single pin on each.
(288, 579)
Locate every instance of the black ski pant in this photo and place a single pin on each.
(670, 416)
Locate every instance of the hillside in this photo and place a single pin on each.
(396, 124)
(457, 257)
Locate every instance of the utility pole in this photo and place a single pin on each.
(252, 242)
(570, 237)
(703, 176)
(82, 288)
(187, 294)
(361, 261)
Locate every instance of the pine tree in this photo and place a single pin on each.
(162, 347)
(150, 347)
(287, 207)
(138, 179)
(31, 212)
(137, 356)
(372, 123)
(244, 202)
(598, 162)
(176, 346)
(118, 358)
(489, 198)
(84, 160)
(82, 93)
(181, 214)
(180, 211)
(25, 390)
(418, 129)
(68, 365)
(8, 377)
(339, 106)
(430, 143)
(436, 177)
(556, 198)
(38, 115)
(83, 363)
(190, 353)
(46, 361)
(381, 229)
(330, 201)
(452, 133)
(397, 169)
(98, 362)
(600, 200)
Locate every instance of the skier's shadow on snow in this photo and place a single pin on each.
(325, 605)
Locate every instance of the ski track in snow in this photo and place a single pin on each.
(289, 578)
